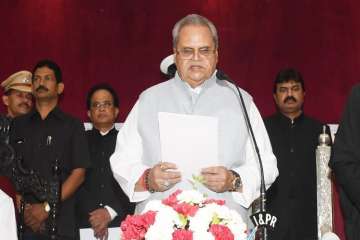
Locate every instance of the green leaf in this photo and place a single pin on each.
(198, 178)
(215, 219)
(183, 220)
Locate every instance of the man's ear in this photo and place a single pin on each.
(60, 88)
(89, 114)
(217, 55)
(116, 112)
(5, 100)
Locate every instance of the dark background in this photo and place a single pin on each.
(123, 42)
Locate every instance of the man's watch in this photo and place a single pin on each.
(236, 183)
(46, 207)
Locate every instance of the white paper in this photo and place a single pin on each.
(88, 234)
(7, 217)
(189, 141)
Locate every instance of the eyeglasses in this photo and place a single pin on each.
(189, 53)
(99, 105)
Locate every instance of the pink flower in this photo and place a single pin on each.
(135, 227)
(172, 198)
(186, 209)
(182, 234)
(217, 201)
(221, 232)
(149, 218)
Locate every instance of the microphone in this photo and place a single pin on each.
(261, 219)
(168, 67)
(171, 70)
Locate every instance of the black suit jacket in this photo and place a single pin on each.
(292, 197)
(345, 162)
(100, 188)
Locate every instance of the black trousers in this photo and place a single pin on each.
(44, 237)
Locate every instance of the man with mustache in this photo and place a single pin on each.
(41, 137)
(17, 94)
(101, 203)
(17, 98)
(294, 138)
(194, 90)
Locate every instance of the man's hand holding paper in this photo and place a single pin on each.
(163, 176)
(218, 179)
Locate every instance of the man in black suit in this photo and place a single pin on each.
(294, 138)
(101, 203)
(345, 162)
(43, 136)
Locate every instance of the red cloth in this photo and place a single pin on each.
(7, 187)
(123, 43)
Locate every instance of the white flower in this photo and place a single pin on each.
(235, 217)
(190, 196)
(237, 225)
(167, 218)
(200, 222)
(238, 230)
(203, 236)
(222, 212)
(154, 205)
(159, 233)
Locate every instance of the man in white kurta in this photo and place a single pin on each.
(137, 163)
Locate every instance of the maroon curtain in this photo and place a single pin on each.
(7, 187)
(123, 42)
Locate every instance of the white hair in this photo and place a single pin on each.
(194, 19)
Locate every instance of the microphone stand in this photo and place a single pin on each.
(262, 205)
(54, 200)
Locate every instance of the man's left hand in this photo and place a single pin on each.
(35, 216)
(218, 179)
(99, 220)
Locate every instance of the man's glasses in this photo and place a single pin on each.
(99, 105)
(189, 53)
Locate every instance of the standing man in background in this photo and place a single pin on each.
(101, 203)
(294, 138)
(17, 98)
(17, 95)
(42, 136)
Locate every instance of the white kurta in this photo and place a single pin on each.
(138, 142)
(8, 228)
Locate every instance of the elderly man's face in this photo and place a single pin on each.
(195, 54)
(102, 111)
(17, 102)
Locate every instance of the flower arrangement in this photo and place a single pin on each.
(185, 215)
